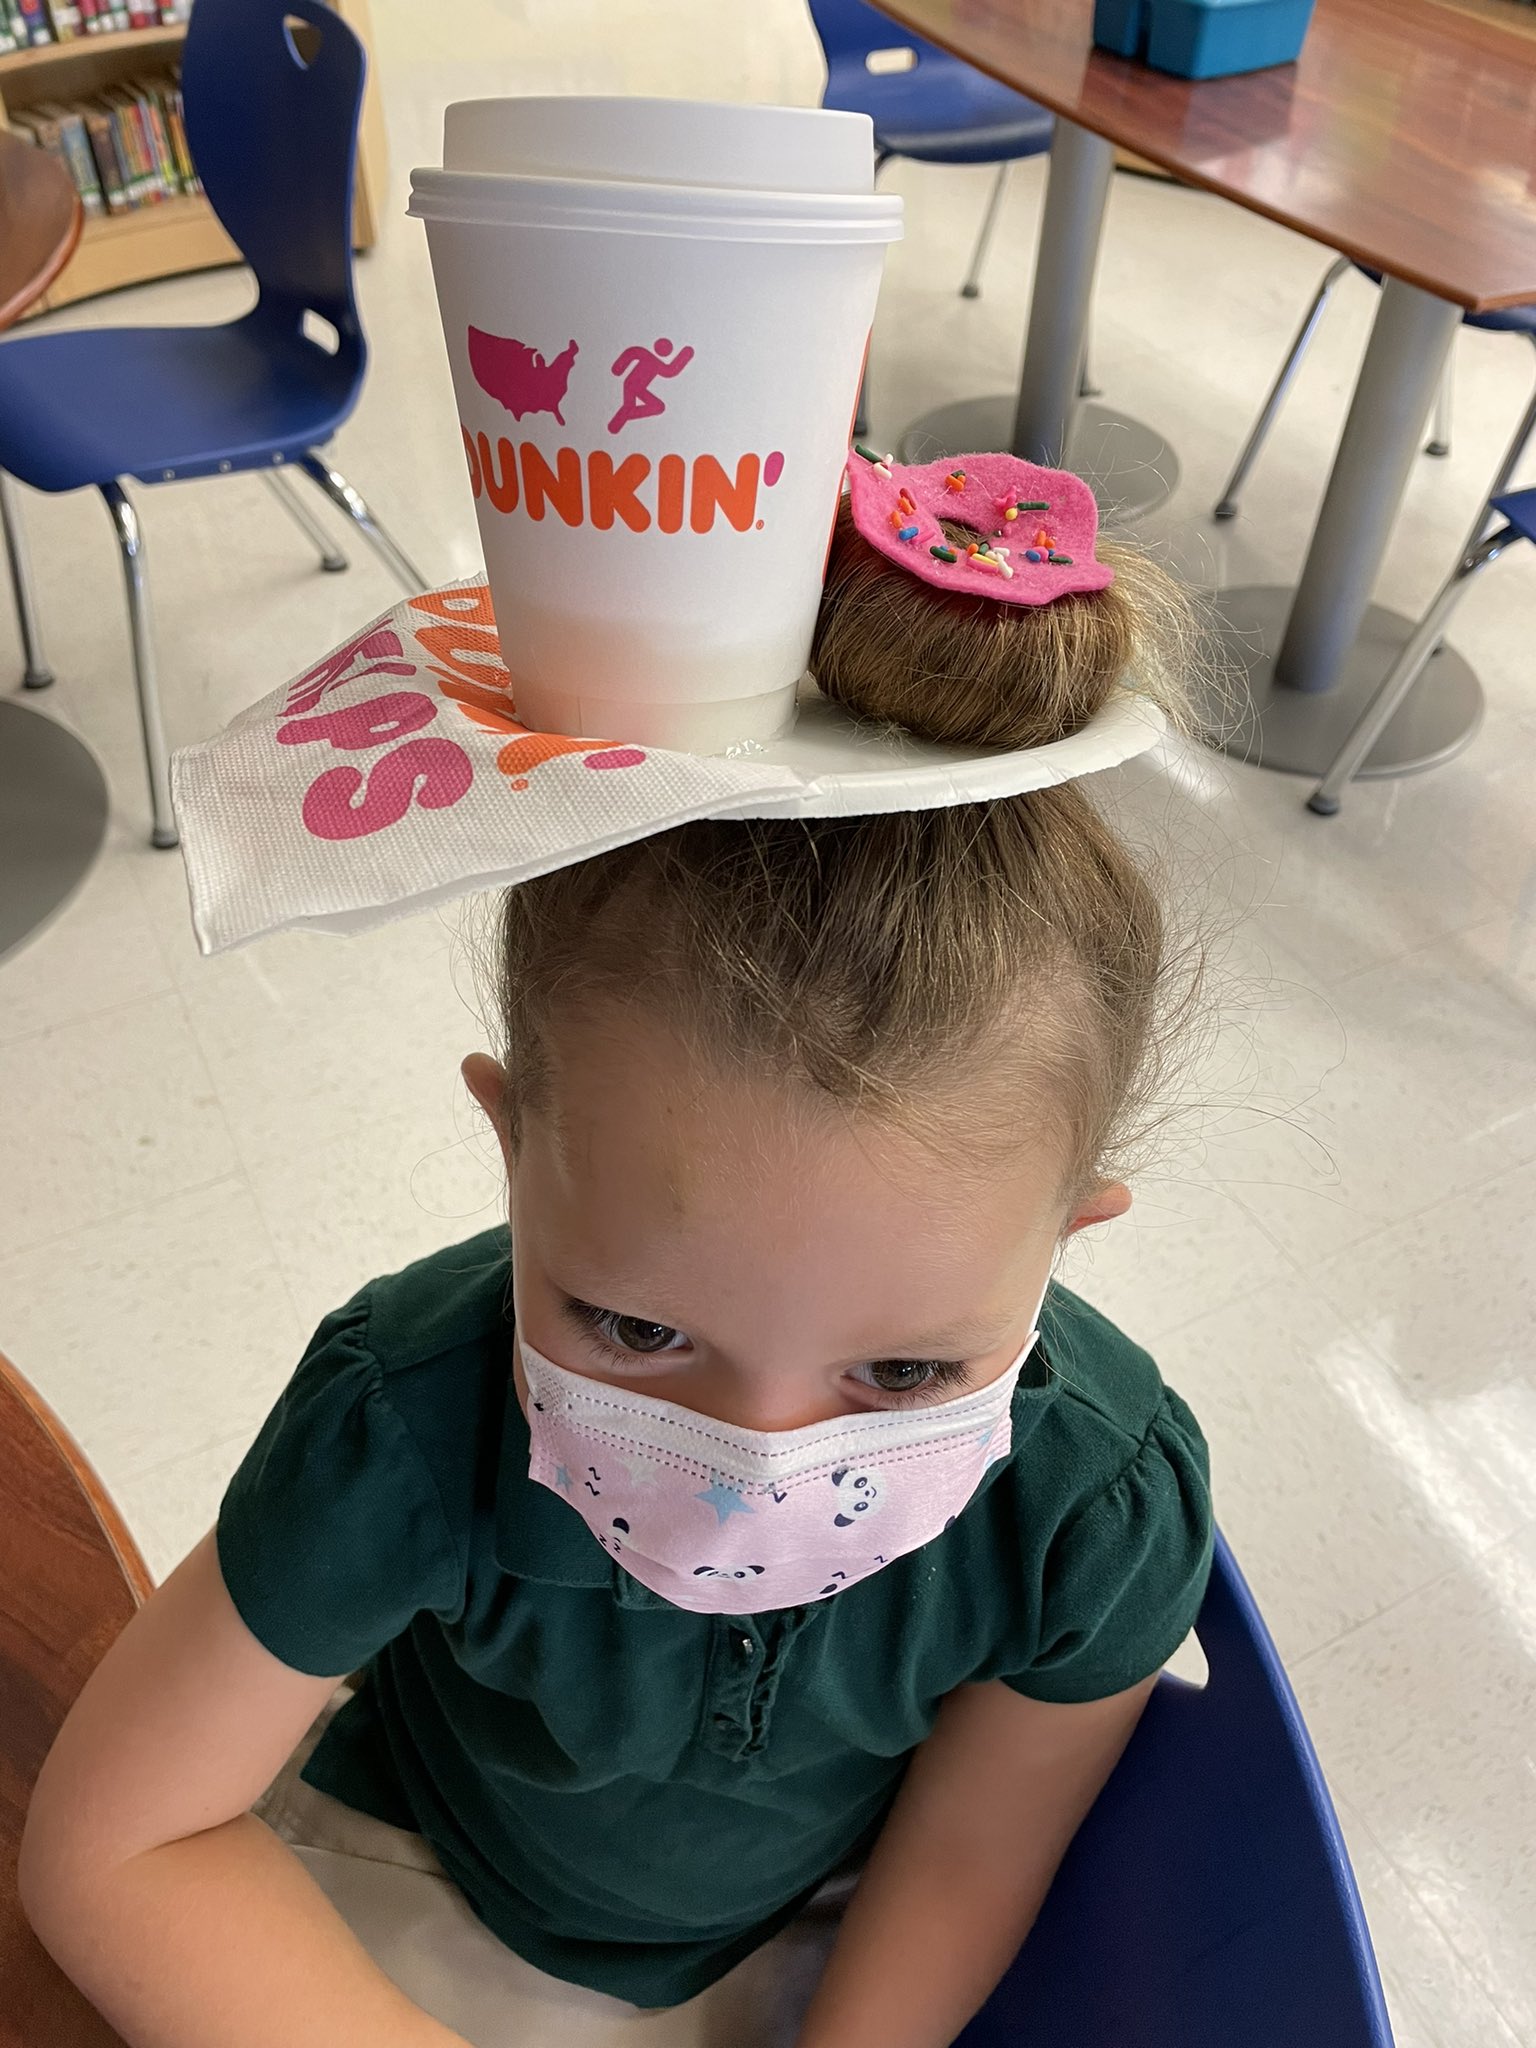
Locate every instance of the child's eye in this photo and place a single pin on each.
(627, 1333)
(915, 1379)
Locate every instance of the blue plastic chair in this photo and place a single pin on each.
(1507, 320)
(1207, 1901)
(937, 110)
(1485, 544)
(272, 124)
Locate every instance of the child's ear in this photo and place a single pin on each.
(486, 1080)
(1111, 1198)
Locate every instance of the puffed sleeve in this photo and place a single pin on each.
(332, 1534)
(1125, 1574)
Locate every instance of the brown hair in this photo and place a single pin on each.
(875, 960)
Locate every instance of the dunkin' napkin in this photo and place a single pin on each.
(395, 774)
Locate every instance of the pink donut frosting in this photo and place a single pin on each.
(1035, 529)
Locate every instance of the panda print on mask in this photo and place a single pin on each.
(858, 1497)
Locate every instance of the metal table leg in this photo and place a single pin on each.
(53, 818)
(1310, 660)
(1129, 465)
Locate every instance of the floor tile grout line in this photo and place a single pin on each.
(234, 1177)
(1362, 1824)
(9, 1041)
(1474, 1971)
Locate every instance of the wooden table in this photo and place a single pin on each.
(1405, 137)
(53, 796)
(70, 1579)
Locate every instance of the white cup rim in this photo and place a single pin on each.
(504, 198)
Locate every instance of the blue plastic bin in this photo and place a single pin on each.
(1203, 38)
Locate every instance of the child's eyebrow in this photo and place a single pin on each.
(963, 1340)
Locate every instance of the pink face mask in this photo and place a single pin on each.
(739, 1521)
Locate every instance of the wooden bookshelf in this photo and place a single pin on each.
(176, 235)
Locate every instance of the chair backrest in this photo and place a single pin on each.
(850, 30)
(70, 1577)
(1207, 1901)
(274, 93)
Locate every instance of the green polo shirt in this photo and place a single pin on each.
(630, 1796)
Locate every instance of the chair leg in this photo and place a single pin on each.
(332, 560)
(130, 540)
(1227, 507)
(1439, 442)
(1404, 672)
(1505, 472)
(37, 675)
(346, 499)
(971, 289)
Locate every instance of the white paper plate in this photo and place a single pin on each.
(852, 767)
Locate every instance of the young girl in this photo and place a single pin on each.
(753, 1525)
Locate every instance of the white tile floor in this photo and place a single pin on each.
(1334, 1255)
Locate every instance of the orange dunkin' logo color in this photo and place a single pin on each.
(464, 656)
(603, 490)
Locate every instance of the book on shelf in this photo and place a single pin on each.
(125, 147)
(36, 26)
(26, 22)
(109, 165)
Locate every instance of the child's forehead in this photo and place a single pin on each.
(653, 1152)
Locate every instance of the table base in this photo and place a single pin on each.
(1298, 732)
(1130, 466)
(53, 818)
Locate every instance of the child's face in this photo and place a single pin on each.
(761, 1258)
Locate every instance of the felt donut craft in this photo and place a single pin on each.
(1033, 529)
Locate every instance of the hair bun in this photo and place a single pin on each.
(973, 671)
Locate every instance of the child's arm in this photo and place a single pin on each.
(183, 1918)
(962, 1866)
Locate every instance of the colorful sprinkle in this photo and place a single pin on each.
(868, 454)
(955, 481)
(1012, 512)
(906, 533)
(1033, 555)
(1034, 505)
(1065, 560)
(944, 554)
(991, 562)
(904, 500)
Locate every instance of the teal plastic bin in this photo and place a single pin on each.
(1203, 38)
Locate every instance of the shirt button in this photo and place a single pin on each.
(746, 1646)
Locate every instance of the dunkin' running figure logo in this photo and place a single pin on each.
(639, 368)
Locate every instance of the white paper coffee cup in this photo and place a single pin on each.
(656, 371)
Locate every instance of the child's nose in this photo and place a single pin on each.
(770, 1399)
